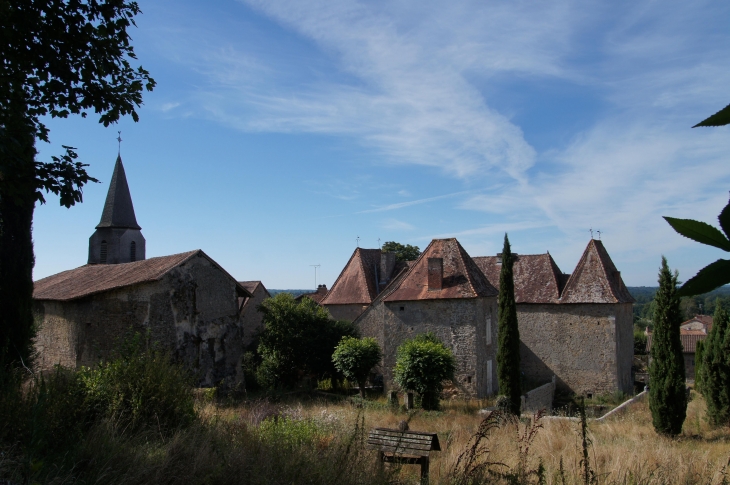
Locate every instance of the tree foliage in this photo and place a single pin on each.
(402, 252)
(667, 394)
(355, 358)
(715, 369)
(298, 340)
(508, 346)
(58, 58)
(422, 364)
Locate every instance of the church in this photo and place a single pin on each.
(186, 302)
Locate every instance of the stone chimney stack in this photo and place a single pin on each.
(387, 264)
(435, 274)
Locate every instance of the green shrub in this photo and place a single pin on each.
(143, 387)
(639, 342)
(422, 363)
(355, 358)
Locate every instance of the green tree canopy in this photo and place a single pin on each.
(667, 394)
(422, 364)
(355, 358)
(298, 339)
(402, 253)
(58, 58)
(508, 342)
(715, 371)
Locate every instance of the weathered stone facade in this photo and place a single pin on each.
(252, 320)
(589, 347)
(467, 326)
(186, 302)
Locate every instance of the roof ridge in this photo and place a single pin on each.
(469, 276)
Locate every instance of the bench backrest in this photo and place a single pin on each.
(400, 442)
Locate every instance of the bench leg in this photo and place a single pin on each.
(424, 470)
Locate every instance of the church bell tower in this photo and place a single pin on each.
(118, 238)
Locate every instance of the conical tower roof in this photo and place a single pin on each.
(118, 208)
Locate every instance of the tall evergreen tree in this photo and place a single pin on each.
(699, 367)
(715, 378)
(667, 394)
(508, 349)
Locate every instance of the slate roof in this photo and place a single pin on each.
(118, 208)
(461, 276)
(356, 284)
(595, 279)
(252, 285)
(536, 276)
(92, 279)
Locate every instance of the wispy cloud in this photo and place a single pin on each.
(396, 225)
(410, 203)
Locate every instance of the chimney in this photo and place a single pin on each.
(321, 289)
(435, 274)
(387, 264)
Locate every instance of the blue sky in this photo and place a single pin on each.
(280, 131)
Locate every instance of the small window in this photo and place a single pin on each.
(133, 251)
(589, 395)
(402, 308)
(468, 379)
(103, 252)
(489, 329)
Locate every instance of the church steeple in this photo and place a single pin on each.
(118, 237)
(118, 208)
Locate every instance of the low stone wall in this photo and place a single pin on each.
(539, 398)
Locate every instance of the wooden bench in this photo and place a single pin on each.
(407, 447)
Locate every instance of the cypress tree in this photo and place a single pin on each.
(667, 395)
(508, 347)
(715, 378)
(699, 355)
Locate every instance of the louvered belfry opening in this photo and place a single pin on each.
(133, 252)
(103, 252)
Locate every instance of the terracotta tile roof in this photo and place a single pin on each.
(536, 276)
(461, 276)
(317, 296)
(91, 279)
(595, 279)
(689, 342)
(356, 283)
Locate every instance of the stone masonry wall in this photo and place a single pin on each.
(252, 320)
(461, 324)
(585, 345)
(192, 311)
(540, 398)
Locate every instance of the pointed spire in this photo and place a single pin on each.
(118, 208)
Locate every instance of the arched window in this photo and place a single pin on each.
(103, 252)
(133, 251)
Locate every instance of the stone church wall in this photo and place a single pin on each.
(589, 347)
(252, 320)
(192, 310)
(468, 326)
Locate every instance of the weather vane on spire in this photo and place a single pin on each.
(119, 139)
(358, 241)
(591, 229)
(599, 235)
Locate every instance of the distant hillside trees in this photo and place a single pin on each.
(402, 253)
(508, 345)
(667, 394)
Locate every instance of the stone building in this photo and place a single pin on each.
(186, 301)
(443, 292)
(364, 276)
(690, 332)
(251, 318)
(578, 327)
(317, 295)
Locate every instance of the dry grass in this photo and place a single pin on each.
(259, 442)
(625, 448)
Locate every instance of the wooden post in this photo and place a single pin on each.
(409, 400)
(424, 470)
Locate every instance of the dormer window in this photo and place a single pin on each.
(133, 252)
(103, 252)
